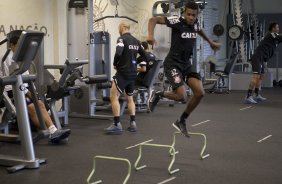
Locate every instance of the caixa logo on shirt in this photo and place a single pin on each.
(133, 47)
(189, 35)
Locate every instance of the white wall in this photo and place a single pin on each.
(32, 14)
(61, 31)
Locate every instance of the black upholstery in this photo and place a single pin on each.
(148, 80)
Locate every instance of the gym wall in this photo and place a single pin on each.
(32, 15)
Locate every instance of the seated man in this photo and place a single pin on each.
(55, 135)
(145, 64)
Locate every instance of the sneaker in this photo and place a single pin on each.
(59, 135)
(114, 128)
(181, 127)
(259, 98)
(132, 127)
(153, 100)
(250, 100)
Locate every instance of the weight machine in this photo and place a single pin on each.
(99, 64)
(28, 45)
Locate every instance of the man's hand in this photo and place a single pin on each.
(215, 45)
(28, 94)
(151, 40)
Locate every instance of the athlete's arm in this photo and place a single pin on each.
(214, 45)
(151, 27)
(119, 50)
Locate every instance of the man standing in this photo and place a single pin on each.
(262, 54)
(124, 80)
(178, 64)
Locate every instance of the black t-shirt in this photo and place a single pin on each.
(268, 45)
(125, 56)
(183, 38)
(147, 61)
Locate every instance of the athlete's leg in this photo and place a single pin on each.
(198, 93)
(114, 97)
(115, 100)
(257, 97)
(257, 60)
(174, 76)
(131, 105)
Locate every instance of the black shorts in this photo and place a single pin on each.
(124, 84)
(138, 82)
(257, 61)
(177, 75)
(139, 79)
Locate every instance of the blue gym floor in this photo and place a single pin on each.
(235, 132)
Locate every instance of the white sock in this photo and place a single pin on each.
(52, 129)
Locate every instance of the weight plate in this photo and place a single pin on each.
(235, 32)
(218, 30)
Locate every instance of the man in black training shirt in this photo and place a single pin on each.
(178, 64)
(262, 54)
(145, 64)
(124, 80)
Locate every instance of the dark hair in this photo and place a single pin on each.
(145, 45)
(14, 36)
(272, 25)
(14, 40)
(191, 5)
